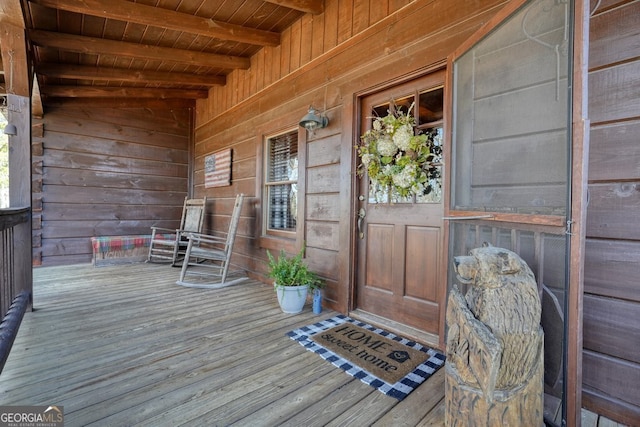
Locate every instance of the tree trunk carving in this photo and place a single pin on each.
(495, 354)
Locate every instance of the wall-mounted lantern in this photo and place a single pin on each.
(312, 121)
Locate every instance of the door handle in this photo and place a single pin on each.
(361, 214)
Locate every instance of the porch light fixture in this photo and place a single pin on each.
(312, 121)
(10, 129)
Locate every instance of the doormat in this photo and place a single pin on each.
(387, 362)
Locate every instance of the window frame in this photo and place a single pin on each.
(275, 240)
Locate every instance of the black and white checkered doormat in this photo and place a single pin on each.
(399, 390)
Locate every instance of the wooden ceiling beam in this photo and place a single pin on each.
(98, 46)
(120, 92)
(163, 18)
(314, 7)
(16, 53)
(86, 72)
(13, 44)
(121, 103)
(11, 13)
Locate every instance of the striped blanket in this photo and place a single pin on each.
(122, 243)
(108, 250)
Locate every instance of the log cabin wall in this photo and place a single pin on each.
(611, 358)
(106, 172)
(327, 61)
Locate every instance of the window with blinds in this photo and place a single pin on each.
(281, 182)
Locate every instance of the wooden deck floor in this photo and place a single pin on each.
(125, 345)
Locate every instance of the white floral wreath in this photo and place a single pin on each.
(394, 156)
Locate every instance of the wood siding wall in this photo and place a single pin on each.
(326, 61)
(306, 40)
(105, 172)
(611, 360)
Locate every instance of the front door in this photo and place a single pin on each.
(399, 241)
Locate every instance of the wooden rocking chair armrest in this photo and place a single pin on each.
(205, 238)
(170, 230)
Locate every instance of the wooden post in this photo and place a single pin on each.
(18, 77)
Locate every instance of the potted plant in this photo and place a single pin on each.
(292, 280)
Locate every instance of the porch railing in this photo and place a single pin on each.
(15, 274)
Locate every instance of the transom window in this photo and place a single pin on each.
(281, 183)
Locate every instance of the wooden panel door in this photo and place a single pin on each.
(400, 238)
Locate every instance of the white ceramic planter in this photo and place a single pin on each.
(292, 298)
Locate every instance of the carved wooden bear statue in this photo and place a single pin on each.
(495, 367)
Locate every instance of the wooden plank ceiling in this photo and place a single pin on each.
(136, 50)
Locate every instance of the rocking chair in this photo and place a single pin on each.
(166, 250)
(208, 256)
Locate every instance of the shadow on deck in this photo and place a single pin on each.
(125, 345)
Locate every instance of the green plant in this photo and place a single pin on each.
(292, 271)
